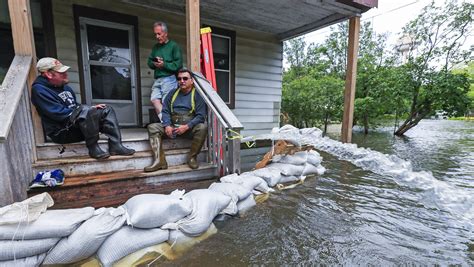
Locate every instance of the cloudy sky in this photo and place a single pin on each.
(390, 17)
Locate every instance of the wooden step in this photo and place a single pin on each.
(112, 189)
(56, 151)
(85, 165)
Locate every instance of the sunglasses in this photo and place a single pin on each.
(183, 78)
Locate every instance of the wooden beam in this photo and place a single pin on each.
(192, 35)
(24, 45)
(349, 93)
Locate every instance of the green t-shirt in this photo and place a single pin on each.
(171, 54)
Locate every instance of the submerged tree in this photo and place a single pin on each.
(436, 38)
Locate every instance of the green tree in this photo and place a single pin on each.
(308, 101)
(372, 90)
(469, 71)
(435, 39)
(295, 55)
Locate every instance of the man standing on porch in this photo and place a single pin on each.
(65, 121)
(184, 114)
(165, 59)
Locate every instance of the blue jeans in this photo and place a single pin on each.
(162, 86)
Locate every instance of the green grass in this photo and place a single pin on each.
(461, 119)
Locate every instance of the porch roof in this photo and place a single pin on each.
(284, 18)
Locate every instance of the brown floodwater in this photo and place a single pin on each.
(405, 201)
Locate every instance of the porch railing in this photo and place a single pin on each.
(223, 130)
(16, 132)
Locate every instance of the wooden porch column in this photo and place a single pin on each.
(24, 44)
(349, 93)
(192, 35)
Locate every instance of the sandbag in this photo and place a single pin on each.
(246, 204)
(321, 170)
(180, 242)
(310, 169)
(154, 210)
(299, 158)
(85, 241)
(261, 187)
(314, 158)
(206, 205)
(247, 180)
(235, 191)
(231, 190)
(311, 131)
(52, 223)
(27, 210)
(10, 250)
(32, 261)
(143, 257)
(288, 169)
(289, 179)
(128, 240)
(271, 176)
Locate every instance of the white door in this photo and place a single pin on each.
(109, 67)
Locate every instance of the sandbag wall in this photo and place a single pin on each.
(110, 234)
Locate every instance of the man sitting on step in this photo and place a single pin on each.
(65, 121)
(184, 113)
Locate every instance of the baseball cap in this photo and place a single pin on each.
(49, 63)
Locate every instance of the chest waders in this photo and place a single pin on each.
(156, 132)
(90, 121)
(181, 118)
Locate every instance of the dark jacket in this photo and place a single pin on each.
(54, 104)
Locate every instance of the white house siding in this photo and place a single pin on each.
(258, 76)
(258, 60)
(68, 52)
(258, 81)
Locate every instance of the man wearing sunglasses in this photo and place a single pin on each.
(65, 121)
(184, 114)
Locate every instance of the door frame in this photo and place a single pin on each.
(114, 17)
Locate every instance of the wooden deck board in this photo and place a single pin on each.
(111, 189)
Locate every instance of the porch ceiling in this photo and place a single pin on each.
(284, 18)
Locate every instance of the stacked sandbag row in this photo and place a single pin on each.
(291, 168)
(147, 220)
(26, 243)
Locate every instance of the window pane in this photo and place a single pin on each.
(111, 83)
(4, 13)
(222, 80)
(7, 52)
(220, 47)
(36, 15)
(108, 45)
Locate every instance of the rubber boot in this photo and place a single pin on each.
(159, 159)
(199, 137)
(110, 127)
(96, 152)
(90, 129)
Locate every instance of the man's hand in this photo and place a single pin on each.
(159, 63)
(181, 129)
(100, 106)
(169, 131)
